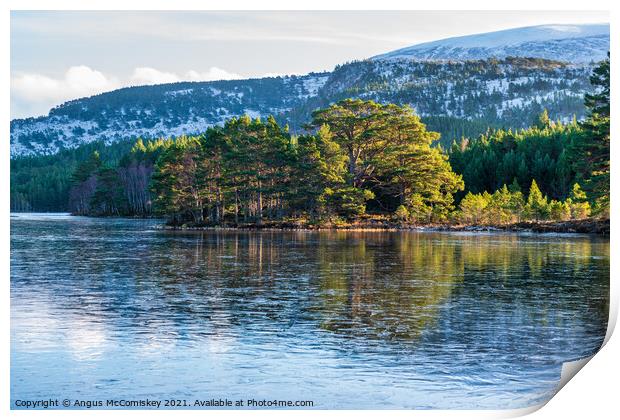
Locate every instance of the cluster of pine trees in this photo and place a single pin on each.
(362, 156)
(42, 183)
(501, 157)
(509, 205)
(122, 188)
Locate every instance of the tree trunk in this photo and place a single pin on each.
(236, 207)
(259, 204)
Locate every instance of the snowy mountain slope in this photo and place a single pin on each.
(572, 43)
(509, 91)
(159, 111)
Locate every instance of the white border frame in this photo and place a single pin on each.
(593, 393)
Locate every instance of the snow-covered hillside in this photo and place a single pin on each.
(572, 43)
(159, 111)
(506, 91)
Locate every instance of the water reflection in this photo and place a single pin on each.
(405, 319)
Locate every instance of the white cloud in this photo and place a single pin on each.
(151, 76)
(34, 94)
(77, 81)
(214, 73)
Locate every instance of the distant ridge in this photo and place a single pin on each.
(571, 43)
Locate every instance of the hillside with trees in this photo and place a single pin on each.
(456, 98)
(357, 159)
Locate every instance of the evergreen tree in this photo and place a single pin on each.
(472, 208)
(108, 198)
(87, 168)
(389, 154)
(175, 184)
(362, 158)
(559, 210)
(320, 172)
(578, 203)
(543, 121)
(84, 184)
(502, 156)
(590, 152)
(501, 207)
(517, 203)
(402, 214)
(537, 206)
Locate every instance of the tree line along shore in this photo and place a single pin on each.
(363, 164)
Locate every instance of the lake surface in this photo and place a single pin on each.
(114, 308)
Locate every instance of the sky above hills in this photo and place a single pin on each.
(57, 56)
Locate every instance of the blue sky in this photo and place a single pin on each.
(57, 56)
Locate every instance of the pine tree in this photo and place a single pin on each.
(174, 182)
(84, 184)
(472, 208)
(578, 203)
(543, 121)
(87, 168)
(108, 198)
(590, 152)
(500, 207)
(320, 172)
(390, 154)
(402, 214)
(537, 206)
(559, 210)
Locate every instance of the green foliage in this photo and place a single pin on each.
(589, 154)
(537, 206)
(506, 206)
(578, 203)
(320, 172)
(472, 208)
(559, 210)
(250, 170)
(453, 129)
(504, 157)
(556, 155)
(108, 197)
(389, 152)
(542, 121)
(118, 186)
(419, 210)
(87, 168)
(43, 183)
(348, 201)
(175, 183)
(361, 154)
(402, 214)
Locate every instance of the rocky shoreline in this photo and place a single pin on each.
(591, 226)
(594, 226)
